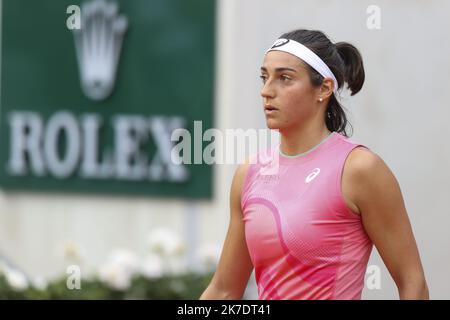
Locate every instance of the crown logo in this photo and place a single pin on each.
(98, 45)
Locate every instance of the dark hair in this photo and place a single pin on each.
(344, 60)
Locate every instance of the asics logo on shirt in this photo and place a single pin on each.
(312, 175)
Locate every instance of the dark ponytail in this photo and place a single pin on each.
(354, 69)
(346, 63)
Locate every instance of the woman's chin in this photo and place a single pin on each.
(272, 124)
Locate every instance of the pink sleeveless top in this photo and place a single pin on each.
(303, 240)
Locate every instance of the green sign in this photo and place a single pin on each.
(92, 90)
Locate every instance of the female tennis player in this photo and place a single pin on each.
(308, 227)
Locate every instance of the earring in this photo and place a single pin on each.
(320, 99)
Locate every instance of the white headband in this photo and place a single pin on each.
(304, 53)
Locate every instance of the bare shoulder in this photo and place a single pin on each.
(365, 173)
(238, 184)
(362, 161)
(239, 175)
(366, 177)
(241, 170)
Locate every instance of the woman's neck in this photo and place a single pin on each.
(302, 139)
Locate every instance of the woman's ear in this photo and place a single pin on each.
(326, 89)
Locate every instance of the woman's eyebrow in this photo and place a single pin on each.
(279, 69)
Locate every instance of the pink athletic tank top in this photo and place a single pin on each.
(303, 240)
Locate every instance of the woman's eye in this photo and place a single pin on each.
(285, 78)
(263, 78)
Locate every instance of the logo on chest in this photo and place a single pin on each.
(310, 177)
(269, 178)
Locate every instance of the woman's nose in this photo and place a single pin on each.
(267, 90)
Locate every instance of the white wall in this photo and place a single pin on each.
(401, 114)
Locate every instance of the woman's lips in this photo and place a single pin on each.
(268, 109)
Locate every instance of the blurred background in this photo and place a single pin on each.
(91, 91)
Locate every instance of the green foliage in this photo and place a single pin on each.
(184, 286)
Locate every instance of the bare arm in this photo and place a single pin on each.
(234, 267)
(377, 195)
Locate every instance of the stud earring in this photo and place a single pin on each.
(320, 99)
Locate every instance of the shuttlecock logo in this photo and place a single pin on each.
(98, 45)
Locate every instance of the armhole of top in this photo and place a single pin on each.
(348, 210)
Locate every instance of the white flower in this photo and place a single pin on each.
(70, 251)
(209, 255)
(16, 279)
(119, 269)
(40, 283)
(152, 266)
(115, 276)
(176, 265)
(164, 241)
(125, 259)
